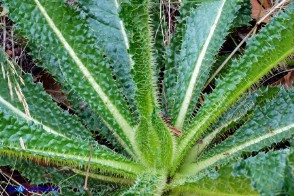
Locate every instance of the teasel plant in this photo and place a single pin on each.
(163, 132)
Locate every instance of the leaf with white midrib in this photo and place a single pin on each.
(41, 110)
(48, 60)
(56, 149)
(151, 134)
(269, 124)
(81, 62)
(136, 18)
(197, 55)
(66, 179)
(278, 43)
(84, 70)
(109, 31)
(230, 119)
(24, 116)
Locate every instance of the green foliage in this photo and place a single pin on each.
(107, 56)
(69, 183)
(278, 180)
(147, 184)
(218, 183)
(196, 56)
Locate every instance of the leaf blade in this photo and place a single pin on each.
(33, 104)
(80, 60)
(109, 30)
(147, 184)
(268, 125)
(22, 139)
(278, 45)
(197, 54)
(275, 164)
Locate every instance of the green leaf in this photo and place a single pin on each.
(93, 122)
(103, 18)
(21, 138)
(62, 32)
(148, 183)
(88, 117)
(278, 43)
(66, 181)
(211, 22)
(223, 183)
(135, 16)
(243, 17)
(236, 114)
(148, 137)
(269, 172)
(159, 37)
(22, 131)
(155, 142)
(269, 124)
(31, 103)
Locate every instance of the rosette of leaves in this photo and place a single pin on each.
(102, 53)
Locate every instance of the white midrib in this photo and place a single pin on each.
(27, 118)
(189, 93)
(117, 165)
(191, 132)
(198, 148)
(208, 162)
(123, 30)
(113, 110)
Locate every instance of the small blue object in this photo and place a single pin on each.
(20, 189)
(11, 189)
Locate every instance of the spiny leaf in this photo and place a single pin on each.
(42, 110)
(110, 33)
(148, 183)
(196, 56)
(155, 142)
(269, 124)
(62, 32)
(278, 43)
(159, 36)
(243, 16)
(136, 19)
(82, 109)
(21, 138)
(236, 114)
(135, 16)
(93, 122)
(221, 183)
(269, 172)
(230, 119)
(89, 118)
(66, 181)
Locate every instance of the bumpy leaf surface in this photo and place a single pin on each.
(147, 184)
(42, 110)
(221, 183)
(269, 124)
(186, 78)
(67, 182)
(151, 133)
(110, 33)
(277, 41)
(21, 138)
(61, 31)
(269, 172)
